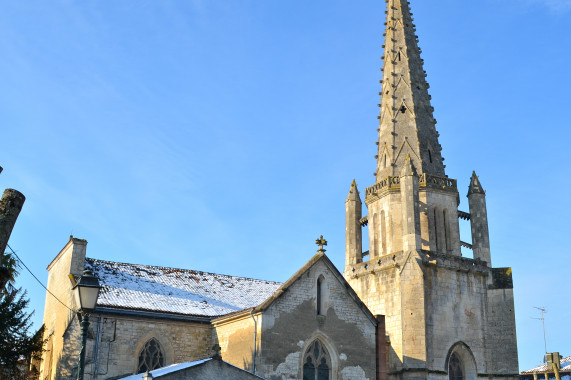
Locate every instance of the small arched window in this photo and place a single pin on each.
(455, 368)
(316, 363)
(151, 357)
(320, 308)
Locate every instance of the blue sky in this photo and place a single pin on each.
(223, 135)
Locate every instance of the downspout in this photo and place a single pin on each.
(255, 339)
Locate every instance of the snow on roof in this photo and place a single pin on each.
(565, 366)
(180, 291)
(168, 369)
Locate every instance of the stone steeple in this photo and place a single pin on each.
(407, 125)
(436, 303)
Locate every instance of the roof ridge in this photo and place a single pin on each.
(183, 269)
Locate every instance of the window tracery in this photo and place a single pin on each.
(151, 356)
(316, 363)
(455, 368)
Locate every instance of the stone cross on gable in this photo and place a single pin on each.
(321, 242)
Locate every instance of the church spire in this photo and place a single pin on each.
(407, 125)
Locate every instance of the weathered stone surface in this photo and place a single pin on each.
(288, 326)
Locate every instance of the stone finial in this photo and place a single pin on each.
(353, 193)
(408, 168)
(147, 376)
(321, 242)
(475, 185)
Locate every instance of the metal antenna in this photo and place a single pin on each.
(543, 311)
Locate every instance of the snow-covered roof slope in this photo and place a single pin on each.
(180, 291)
(565, 367)
(168, 369)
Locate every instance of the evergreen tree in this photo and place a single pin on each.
(17, 345)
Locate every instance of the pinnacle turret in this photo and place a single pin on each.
(353, 193)
(407, 125)
(475, 186)
(408, 168)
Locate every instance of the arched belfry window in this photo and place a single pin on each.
(151, 356)
(316, 362)
(455, 371)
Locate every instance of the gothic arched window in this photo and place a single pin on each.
(455, 368)
(151, 357)
(316, 363)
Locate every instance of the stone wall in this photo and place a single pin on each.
(377, 283)
(58, 317)
(442, 302)
(114, 344)
(501, 325)
(291, 324)
(236, 339)
(456, 310)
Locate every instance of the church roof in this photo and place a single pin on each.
(173, 368)
(177, 291)
(168, 369)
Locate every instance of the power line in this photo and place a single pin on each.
(33, 275)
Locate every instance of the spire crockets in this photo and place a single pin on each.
(407, 125)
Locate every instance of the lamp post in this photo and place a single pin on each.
(86, 292)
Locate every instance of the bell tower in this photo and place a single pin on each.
(438, 305)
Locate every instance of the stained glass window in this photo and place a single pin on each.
(151, 357)
(317, 365)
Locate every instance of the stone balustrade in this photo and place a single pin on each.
(424, 180)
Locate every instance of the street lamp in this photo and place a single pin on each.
(86, 292)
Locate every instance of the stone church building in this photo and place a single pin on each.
(411, 307)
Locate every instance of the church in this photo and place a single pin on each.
(411, 307)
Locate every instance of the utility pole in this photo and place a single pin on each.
(10, 206)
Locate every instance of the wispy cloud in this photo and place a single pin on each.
(554, 5)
